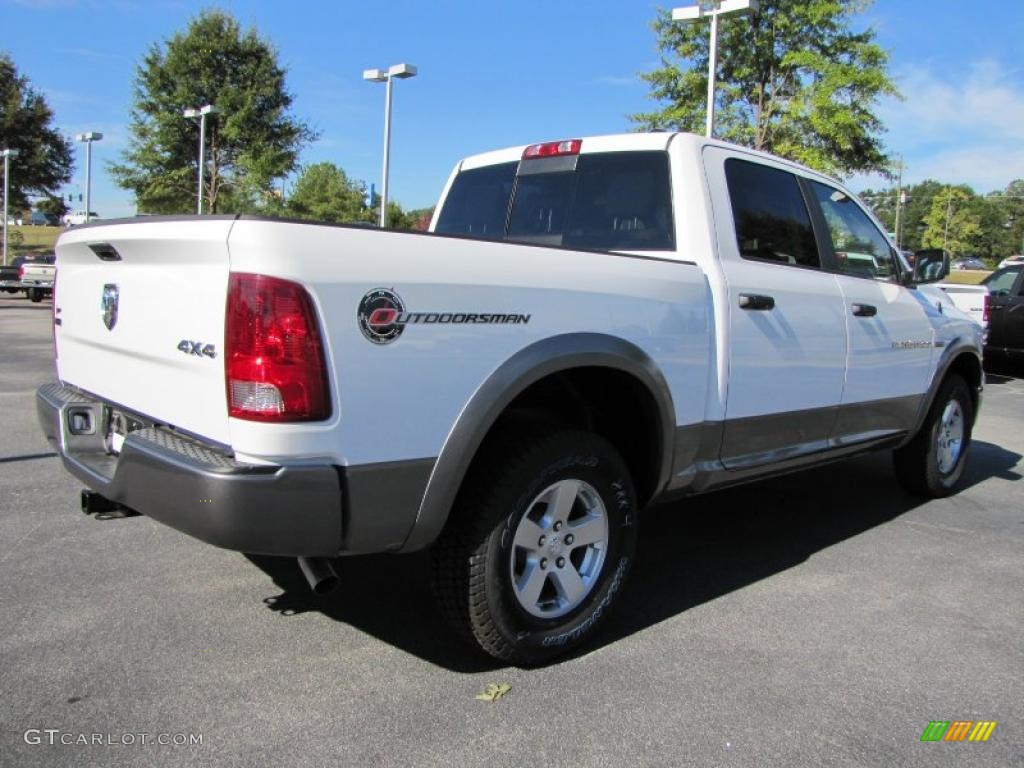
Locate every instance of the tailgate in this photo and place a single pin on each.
(140, 307)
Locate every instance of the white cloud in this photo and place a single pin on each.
(987, 104)
(618, 80)
(985, 168)
(91, 53)
(967, 130)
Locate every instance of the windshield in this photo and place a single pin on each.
(608, 201)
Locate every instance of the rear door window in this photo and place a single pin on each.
(770, 215)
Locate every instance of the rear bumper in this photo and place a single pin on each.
(193, 487)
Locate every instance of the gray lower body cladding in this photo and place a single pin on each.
(296, 510)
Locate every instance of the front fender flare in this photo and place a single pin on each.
(954, 350)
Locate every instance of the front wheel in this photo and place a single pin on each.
(932, 464)
(538, 545)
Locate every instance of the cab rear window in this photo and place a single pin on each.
(618, 201)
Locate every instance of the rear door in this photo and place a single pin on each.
(891, 338)
(787, 331)
(1006, 310)
(140, 311)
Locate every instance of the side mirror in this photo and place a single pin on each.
(930, 266)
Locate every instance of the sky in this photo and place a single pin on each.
(497, 74)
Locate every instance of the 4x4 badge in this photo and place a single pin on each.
(109, 305)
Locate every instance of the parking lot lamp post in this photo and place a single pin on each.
(201, 113)
(900, 195)
(386, 76)
(714, 9)
(7, 155)
(88, 138)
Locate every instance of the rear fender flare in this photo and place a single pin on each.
(489, 401)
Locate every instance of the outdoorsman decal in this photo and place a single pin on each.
(382, 317)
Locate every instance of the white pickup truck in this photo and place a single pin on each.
(969, 299)
(36, 277)
(590, 325)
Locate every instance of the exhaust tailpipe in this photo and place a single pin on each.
(319, 573)
(93, 503)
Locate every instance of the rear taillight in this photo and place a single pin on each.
(985, 308)
(21, 272)
(553, 149)
(274, 358)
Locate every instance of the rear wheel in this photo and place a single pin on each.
(35, 295)
(538, 545)
(932, 464)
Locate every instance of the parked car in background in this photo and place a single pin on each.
(78, 217)
(1011, 260)
(969, 263)
(1004, 307)
(10, 274)
(37, 276)
(10, 281)
(969, 299)
(40, 219)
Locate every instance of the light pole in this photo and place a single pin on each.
(386, 76)
(201, 113)
(899, 202)
(714, 9)
(7, 155)
(88, 138)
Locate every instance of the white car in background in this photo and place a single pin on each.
(76, 218)
(1011, 261)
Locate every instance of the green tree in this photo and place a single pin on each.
(920, 198)
(52, 206)
(418, 219)
(250, 141)
(1008, 217)
(918, 205)
(44, 161)
(794, 79)
(954, 222)
(323, 192)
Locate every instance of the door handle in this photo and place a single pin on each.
(756, 301)
(864, 310)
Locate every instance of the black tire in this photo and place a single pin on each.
(474, 559)
(917, 464)
(35, 295)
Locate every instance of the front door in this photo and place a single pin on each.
(891, 338)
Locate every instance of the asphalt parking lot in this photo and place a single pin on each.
(821, 619)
